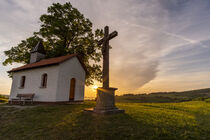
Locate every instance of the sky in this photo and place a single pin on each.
(162, 45)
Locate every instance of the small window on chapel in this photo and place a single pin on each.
(44, 81)
(22, 81)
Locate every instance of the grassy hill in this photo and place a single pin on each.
(155, 116)
(164, 97)
(3, 98)
(146, 121)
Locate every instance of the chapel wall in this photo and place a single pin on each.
(69, 69)
(33, 83)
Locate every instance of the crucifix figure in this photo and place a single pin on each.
(105, 52)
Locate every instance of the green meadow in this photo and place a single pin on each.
(3, 98)
(146, 121)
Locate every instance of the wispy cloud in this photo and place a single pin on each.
(156, 37)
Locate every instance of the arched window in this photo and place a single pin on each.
(22, 81)
(44, 81)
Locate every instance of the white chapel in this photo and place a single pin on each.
(60, 79)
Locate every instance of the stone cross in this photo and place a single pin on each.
(105, 52)
(105, 101)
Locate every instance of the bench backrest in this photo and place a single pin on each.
(28, 95)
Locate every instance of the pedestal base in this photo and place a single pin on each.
(105, 102)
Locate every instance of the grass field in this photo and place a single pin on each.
(3, 99)
(146, 121)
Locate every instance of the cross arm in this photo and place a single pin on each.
(112, 35)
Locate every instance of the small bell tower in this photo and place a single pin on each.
(37, 53)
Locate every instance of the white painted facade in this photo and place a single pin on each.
(58, 82)
(68, 70)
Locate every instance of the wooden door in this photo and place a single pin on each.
(72, 89)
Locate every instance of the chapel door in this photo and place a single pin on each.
(72, 89)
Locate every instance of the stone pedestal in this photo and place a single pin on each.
(105, 102)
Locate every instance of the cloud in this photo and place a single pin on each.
(128, 48)
(156, 37)
(132, 63)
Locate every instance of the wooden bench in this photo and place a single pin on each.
(24, 98)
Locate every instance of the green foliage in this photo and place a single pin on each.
(207, 100)
(145, 121)
(3, 98)
(64, 30)
(21, 52)
(199, 99)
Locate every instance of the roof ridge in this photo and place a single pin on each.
(45, 62)
(58, 57)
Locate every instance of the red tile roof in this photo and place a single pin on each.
(47, 62)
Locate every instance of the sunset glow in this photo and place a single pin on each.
(161, 45)
(95, 87)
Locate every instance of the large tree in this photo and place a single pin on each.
(64, 30)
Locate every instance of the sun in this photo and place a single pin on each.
(95, 87)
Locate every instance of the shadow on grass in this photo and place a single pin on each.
(33, 123)
(120, 126)
(69, 122)
(202, 118)
(92, 126)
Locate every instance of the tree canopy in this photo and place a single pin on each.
(63, 30)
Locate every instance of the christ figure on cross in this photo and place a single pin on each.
(105, 52)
